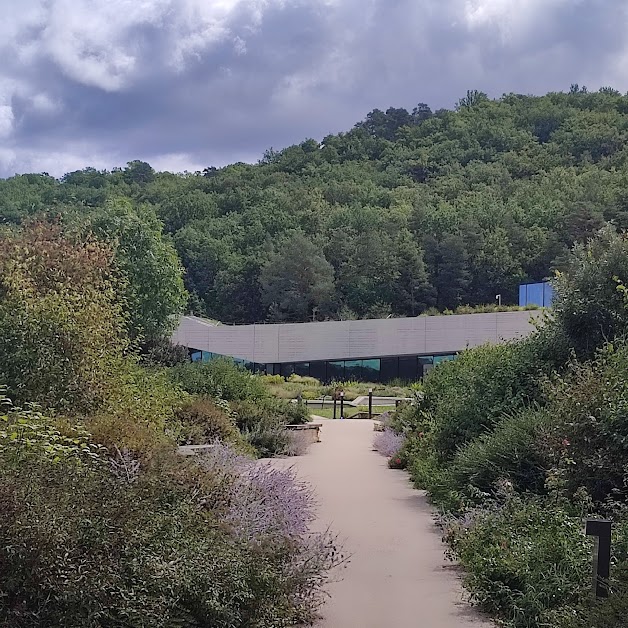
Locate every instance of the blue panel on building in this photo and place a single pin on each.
(535, 294)
(523, 294)
(540, 294)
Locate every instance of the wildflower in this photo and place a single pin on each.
(388, 443)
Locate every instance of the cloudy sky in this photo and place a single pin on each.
(186, 84)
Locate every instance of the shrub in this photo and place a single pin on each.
(291, 413)
(88, 542)
(272, 379)
(512, 451)
(262, 427)
(203, 421)
(527, 560)
(301, 379)
(470, 395)
(272, 508)
(220, 378)
(588, 306)
(589, 430)
(62, 328)
(159, 351)
(139, 414)
(388, 442)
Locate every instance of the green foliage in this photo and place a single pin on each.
(589, 430)
(262, 428)
(159, 351)
(405, 211)
(527, 561)
(204, 421)
(511, 452)
(590, 304)
(61, 323)
(138, 415)
(24, 433)
(297, 282)
(263, 423)
(85, 546)
(517, 444)
(220, 378)
(154, 294)
(105, 525)
(470, 395)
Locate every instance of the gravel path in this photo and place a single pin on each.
(398, 575)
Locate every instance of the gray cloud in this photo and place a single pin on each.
(189, 83)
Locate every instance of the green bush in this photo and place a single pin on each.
(513, 451)
(272, 379)
(590, 431)
(527, 561)
(62, 326)
(204, 421)
(89, 540)
(468, 396)
(220, 378)
(590, 297)
(263, 426)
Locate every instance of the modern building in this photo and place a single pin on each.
(541, 294)
(367, 350)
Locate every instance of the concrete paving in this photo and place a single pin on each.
(397, 575)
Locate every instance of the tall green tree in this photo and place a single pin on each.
(297, 282)
(155, 294)
(449, 272)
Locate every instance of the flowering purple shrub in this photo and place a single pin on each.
(257, 500)
(270, 507)
(388, 443)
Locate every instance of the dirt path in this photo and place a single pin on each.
(397, 575)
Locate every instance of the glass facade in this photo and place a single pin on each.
(409, 368)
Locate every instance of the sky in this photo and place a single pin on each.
(186, 84)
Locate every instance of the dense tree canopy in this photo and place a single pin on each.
(406, 211)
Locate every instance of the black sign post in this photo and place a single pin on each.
(601, 530)
(342, 404)
(370, 403)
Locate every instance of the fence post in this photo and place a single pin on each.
(601, 530)
(342, 404)
(370, 403)
(335, 403)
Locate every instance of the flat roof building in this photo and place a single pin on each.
(368, 350)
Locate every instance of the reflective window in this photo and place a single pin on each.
(408, 368)
(426, 362)
(336, 371)
(273, 369)
(302, 369)
(287, 369)
(389, 369)
(196, 356)
(370, 370)
(353, 369)
(319, 371)
(438, 359)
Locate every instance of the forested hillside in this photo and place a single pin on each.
(406, 211)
